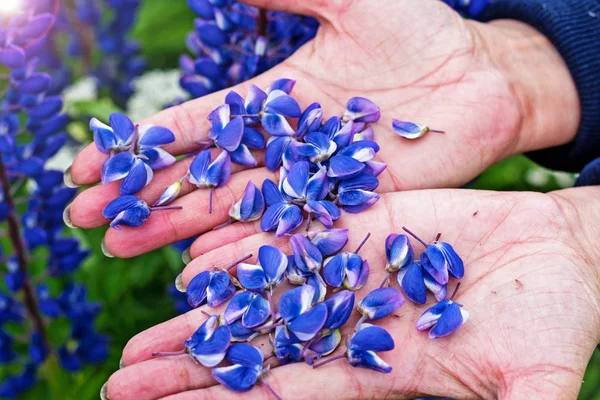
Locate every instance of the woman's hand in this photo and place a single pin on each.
(496, 89)
(531, 286)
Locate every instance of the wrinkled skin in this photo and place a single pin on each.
(418, 60)
(531, 289)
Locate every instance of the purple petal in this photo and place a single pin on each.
(295, 183)
(122, 126)
(399, 252)
(327, 344)
(242, 156)
(278, 102)
(439, 291)
(157, 158)
(276, 147)
(199, 167)
(331, 241)
(12, 56)
(236, 377)
(317, 283)
(212, 351)
(295, 302)
(307, 256)
(220, 289)
(285, 85)
(254, 100)
(49, 107)
(219, 118)
(121, 204)
(271, 193)
(430, 317)
(408, 130)
(245, 355)
(357, 272)
(374, 168)
(362, 151)
(310, 120)
(372, 338)
(289, 221)
(413, 285)
(231, 136)
(334, 269)
(117, 167)
(368, 359)
(37, 83)
(253, 138)
(219, 171)
(132, 217)
(272, 216)
(359, 109)
(360, 182)
(439, 271)
(236, 103)
(317, 186)
(273, 262)
(252, 277)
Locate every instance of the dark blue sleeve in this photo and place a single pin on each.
(573, 26)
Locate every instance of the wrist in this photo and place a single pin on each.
(542, 85)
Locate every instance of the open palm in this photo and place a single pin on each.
(530, 287)
(418, 60)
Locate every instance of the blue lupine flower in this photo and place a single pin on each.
(209, 344)
(239, 333)
(268, 272)
(126, 211)
(251, 308)
(356, 194)
(380, 303)
(212, 287)
(37, 349)
(330, 241)
(7, 353)
(301, 318)
(9, 309)
(250, 207)
(339, 308)
(307, 255)
(169, 195)
(280, 216)
(398, 252)
(365, 343)
(317, 147)
(359, 109)
(286, 346)
(346, 269)
(246, 370)
(310, 120)
(9, 125)
(443, 260)
(323, 346)
(205, 174)
(409, 130)
(114, 138)
(48, 305)
(445, 318)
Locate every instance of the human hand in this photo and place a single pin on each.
(531, 287)
(419, 61)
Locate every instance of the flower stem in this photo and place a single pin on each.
(224, 224)
(165, 208)
(22, 257)
(168, 353)
(436, 131)
(241, 260)
(338, 357)
(437, 237)
(362, 243)
(415, 236)
(271, 306)
(270, 389)
(385, 280)
(262, 22)
(210, 196)
(455, 290)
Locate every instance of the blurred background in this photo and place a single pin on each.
(137, 293)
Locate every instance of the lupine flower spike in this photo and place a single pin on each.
(409, 130)
(445, 317)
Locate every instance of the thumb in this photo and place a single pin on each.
(320, 9)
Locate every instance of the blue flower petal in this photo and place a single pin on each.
(295, 182)
(231, 135)
(251, 276)
(219, 171)
(307, 256)
(12, 56)
(236, 377)
(199, 167)
(254, 100)
(239, 333)
(236, 103)
(362, 151)
(238, 306)
(139, 176)
(380, 303)
(408, 130)
(331, 126)
(295, 302)
(122, 126)
(374, 168)
(272, 216)
(307, 325)
(35, 84)
(104, 137)
(153, 136)
(439, 291)
(357, 272)
(123, 203)
(456, 266)
(49, 107)
(276, 125)
(273, 262)
(318, 185)
(258, 312)
(219, 118)
(245, 355)
(339, 309)
(220, 289)
(317, 283)
(284, 84)
(211, 351)
(368, 359)
(327, 344)
(157, 158)
(310, 120)
(360, 182)
(331, 241)
(439, 270)
(278, 102)
(117, 167)
(398, 251)
(271, 193)
(359, 109)
(355, 201)
(242, 156)
(372, 338)
(450, 320)
(413, 285)
(344, 167)
(334, 269)
(253, 138)
(276, 147)
(196, 290)
(289, 221)
(430, 317)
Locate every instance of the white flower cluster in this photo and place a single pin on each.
(153, 91)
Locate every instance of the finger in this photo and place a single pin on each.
(86, 210)
(212, 240)
(157, 378)
(166, 227)
(189, 122)
(316, 8)
(299, 381)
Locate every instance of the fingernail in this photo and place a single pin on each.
(186, 256)
(67, 216)
(104, 392)
(68, 179)
(105, 250)
(121, 363)
(179, 284)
